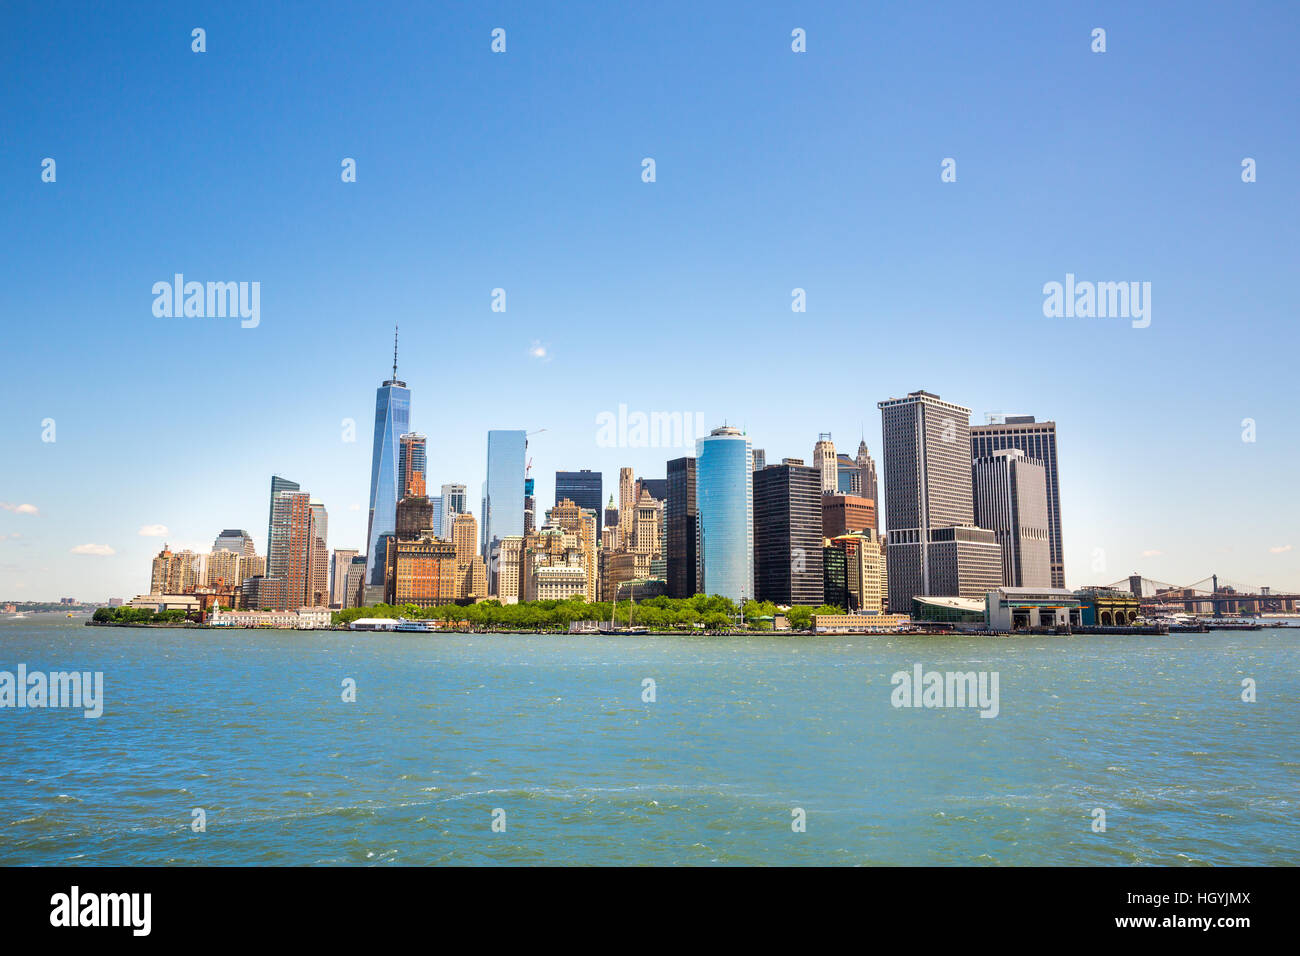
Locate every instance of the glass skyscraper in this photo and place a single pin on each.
(503, 492)
(584, 489)
(392, 420)
(724, 490)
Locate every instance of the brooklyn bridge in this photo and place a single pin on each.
(1208, 596)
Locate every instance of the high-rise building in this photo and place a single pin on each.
(724, 489)
(647, 525)
(847, 514)
(1037, 440)
(392, 420)
(934, 547)
(611, 519)
(414, 517)
(824, 460)
(868, 486)
(176, 572)
(503, 497)
(1011, 501)
(355, 582)
(233, 539)
(289, 552)
(657, 487)
(788, 535)
(681, 517)
(530, 505)
(339, 568)
(412, 459)
(580, 523)
(464, 532)
(318, 558)
(507, 569)
(626, 506)
(866, 578)
(835, 576)
(437, 515)
(585, 489)
(278, 485)
(760, 459)
(453, 503)
(222, 569)
(423, 572)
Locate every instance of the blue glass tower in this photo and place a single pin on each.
(503, 496)
(392, 420)
(724, 495)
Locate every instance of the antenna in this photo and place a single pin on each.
(394, 351)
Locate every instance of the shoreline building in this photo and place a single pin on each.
(288, 554)
(934, 547)
(392, 420)
(724, 488)
(412, 460)
(318, 556)
(503, 491)
(827, 463)
(454, 502)
(868, 485)
(238, 541)
(1011, 501)
(865, 575)
(585, 489)
(847, 514)
(1037, 440)
(788, 535)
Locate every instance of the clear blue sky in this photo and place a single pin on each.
(522, 171)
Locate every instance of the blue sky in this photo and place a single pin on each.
(522, 171)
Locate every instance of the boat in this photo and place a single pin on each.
(416, 627)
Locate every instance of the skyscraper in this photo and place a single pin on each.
(290, 547)
(724, 487)
(278, 485)
(392, 420)
(240, 542)
(868, 485)
(626, 506)
(339, 568)
(1011, 501)
(453, 503)
(503, 495)
(825, 462)
(1037, 440)
(585, 489)
(412, 457)
(317, 592)
(681, 517)
(788, 535)
(934, 547)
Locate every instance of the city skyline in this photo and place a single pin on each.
(1178, 445)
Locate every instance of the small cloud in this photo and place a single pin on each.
(539, 351)
(20, 509)
(1152, 554)
(1279, 549)
(354, 507)
(99, 550)
(153, 531)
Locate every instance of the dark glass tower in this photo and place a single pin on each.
(788, 535)
(681, 518)
(584, 489)
(392, 421)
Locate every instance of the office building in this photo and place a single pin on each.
(339, 568)
(1038, 441)
(318, 557)
(503, 493)
(1011, 501)
(934, 547)
(788, 535)
(760, 459)
(392, 421)
(865, 575)
(290, 549)
(847, 514)
(454, 502)
(868, 486)
(233, 539)
(415, 517)
(826, 463)
(355, 585)
(278, 485)
(724, 489)
(626, 506)
(835, 585)
(424, 572)
(412, 458)
(585, 489)
(681, 520)
(657, 487)
(222, 569)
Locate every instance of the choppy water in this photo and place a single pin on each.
(250, 726)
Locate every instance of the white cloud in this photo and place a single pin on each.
(1280, 549)
(354, 507)
(153, 531)
(539, 351)
(1152, 554)
(20, 509)
(99, 550)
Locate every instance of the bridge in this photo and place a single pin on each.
(1210, 595)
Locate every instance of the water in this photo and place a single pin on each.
(250, 726)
